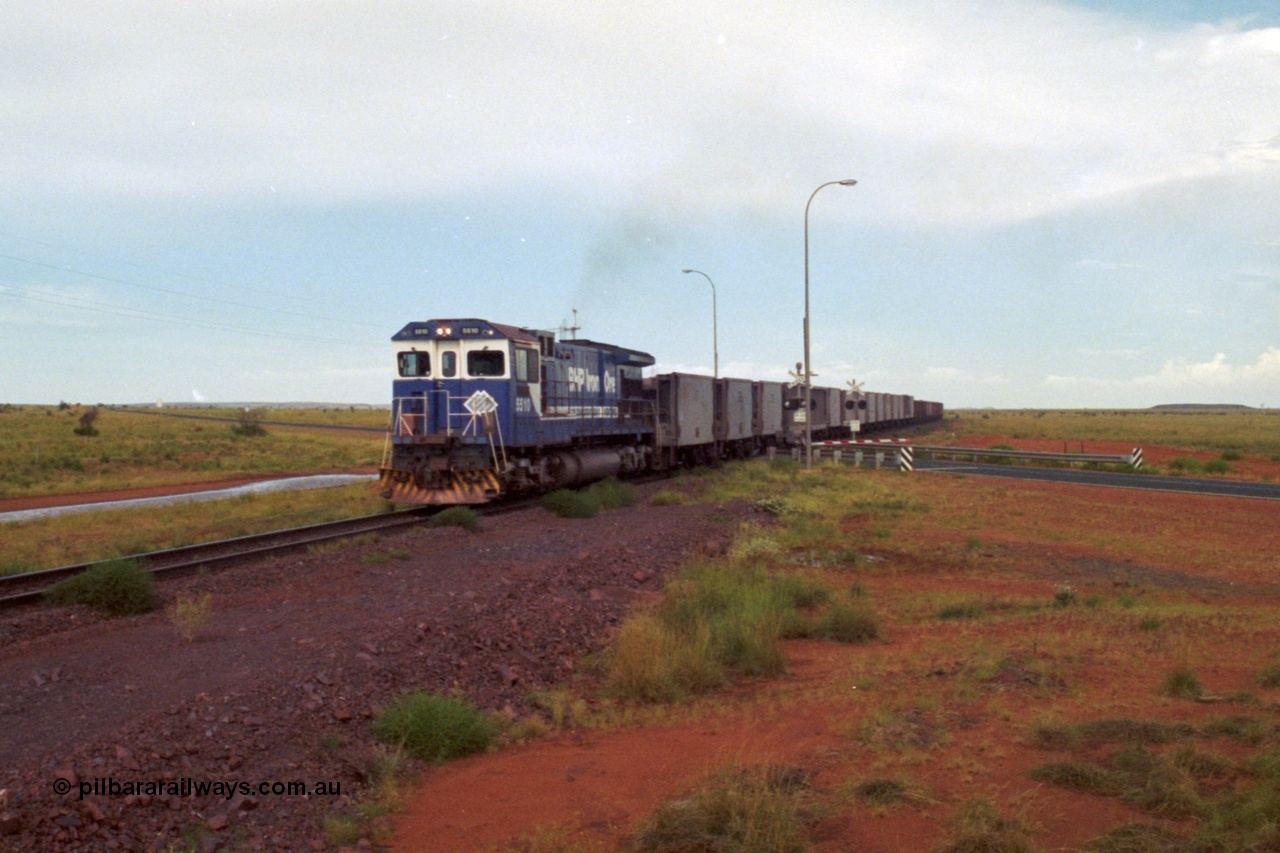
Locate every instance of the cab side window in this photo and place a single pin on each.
(526, 364)
(414, 363)
(486, 363)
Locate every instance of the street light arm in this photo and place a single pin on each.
(848, 182)
(808, 373)
(715, 343)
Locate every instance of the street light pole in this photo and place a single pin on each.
(715, 344)
(808, 374)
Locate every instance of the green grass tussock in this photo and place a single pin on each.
(564, 503)
(979, 827)
(1093, 733)
(1230, 805)
(729, 617)
(649, 661)
(1269, 677)
(1182, 684)
(457, 516)
(884, 793)
(1240, 728)
(962, 610)
(434, 727)
(1080, 776)
(668, 497)
(848, 622)
(612, 493)
(758, 810)
(1137, 838)
(719, 620)
(116, 587)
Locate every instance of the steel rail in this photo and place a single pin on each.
(206, 554)
(190, 557)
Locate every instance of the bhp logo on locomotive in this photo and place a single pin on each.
(580, 379)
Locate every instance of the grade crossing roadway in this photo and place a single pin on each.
(1151, 482)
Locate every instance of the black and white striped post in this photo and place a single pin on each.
(877, 447)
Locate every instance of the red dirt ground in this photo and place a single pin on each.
(302, 650)
(595, 787)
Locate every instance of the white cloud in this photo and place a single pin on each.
(1217, 372)
(1093, 263)
(957, 376)
(678, 105)
(1182, 375)
(949, 374)
(1114, 352)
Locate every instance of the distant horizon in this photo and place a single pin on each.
(263, 404)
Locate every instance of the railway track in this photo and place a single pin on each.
(30, 587)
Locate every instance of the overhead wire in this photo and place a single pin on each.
(84, 303)
(183, 294)
(200, 280)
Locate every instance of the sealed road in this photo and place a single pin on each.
(1151, 482)
(315, 481)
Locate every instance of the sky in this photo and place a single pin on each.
(1058, 204)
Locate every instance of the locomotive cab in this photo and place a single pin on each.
(452, 402)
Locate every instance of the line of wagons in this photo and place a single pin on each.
(480, 409)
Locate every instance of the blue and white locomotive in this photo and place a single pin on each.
(480, 409)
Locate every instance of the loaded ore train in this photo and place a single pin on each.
(482, 409)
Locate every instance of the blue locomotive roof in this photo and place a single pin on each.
(462, 328)
(472, 328)
(627, 357)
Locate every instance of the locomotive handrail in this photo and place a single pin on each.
(403, 422)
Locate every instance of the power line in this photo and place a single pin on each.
(85, 304)
(179, 293)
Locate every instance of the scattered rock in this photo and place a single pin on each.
(497, 626)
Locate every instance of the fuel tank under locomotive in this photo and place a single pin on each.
(582, 466)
